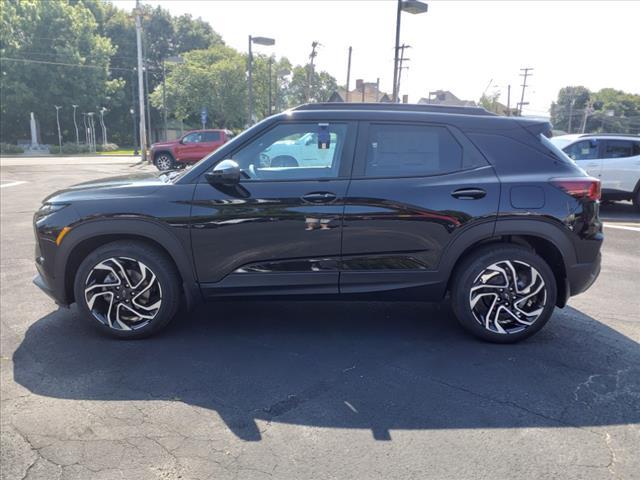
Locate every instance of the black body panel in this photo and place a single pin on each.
(370, 234)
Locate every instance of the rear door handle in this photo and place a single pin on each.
(468, 193)
(319, 197)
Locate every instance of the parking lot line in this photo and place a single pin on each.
(623, 227)
(12, 184)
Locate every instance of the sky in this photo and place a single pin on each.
(467, 47)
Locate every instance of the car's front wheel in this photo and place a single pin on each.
(164, 161)
(127, 289)
(503, 293)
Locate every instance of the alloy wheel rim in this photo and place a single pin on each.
(164, 163)
(123, 293)
(508, 297)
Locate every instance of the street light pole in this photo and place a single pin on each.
(270, 68)
(58, 122)
(410, 6)
(250, 68)
(396, 50)
(76, 124)
(104, 127)
(259, 41)
(164, 99)
(135, 133)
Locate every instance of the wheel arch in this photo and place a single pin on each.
(545, 239)
(85, 238)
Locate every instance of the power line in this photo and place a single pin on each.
(44, 62)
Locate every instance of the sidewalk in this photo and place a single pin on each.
(79, 160)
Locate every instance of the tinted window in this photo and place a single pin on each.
(584, 150)
(292, 151)
(210, 136)
(618, 149)
(411, 150)
(191, 138)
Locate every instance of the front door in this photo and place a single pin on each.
(279, 229)
(414, 188)
(188, 150)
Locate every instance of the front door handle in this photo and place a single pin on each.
(319, 197)
(468, 193)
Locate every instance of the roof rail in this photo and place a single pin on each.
(401, 107)
(630, 135)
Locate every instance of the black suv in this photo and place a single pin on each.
(409, 201)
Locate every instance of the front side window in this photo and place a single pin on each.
(584, 150)
(411, 150)
(618, 149)
(191, 138)
(294, 151)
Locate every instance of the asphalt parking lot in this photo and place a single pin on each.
(301, 390)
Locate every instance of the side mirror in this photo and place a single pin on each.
(227, 172)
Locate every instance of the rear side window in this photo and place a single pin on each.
(583, 150)
(210, 136)
(619, 149)
(411, 151)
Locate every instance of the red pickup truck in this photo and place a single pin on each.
(189, 148)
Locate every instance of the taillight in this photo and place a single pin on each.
(588, 188)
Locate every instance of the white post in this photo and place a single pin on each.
(143, 121)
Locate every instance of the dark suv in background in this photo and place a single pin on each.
(409, 201)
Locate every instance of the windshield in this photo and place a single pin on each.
(555, 150)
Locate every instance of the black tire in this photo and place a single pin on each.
(132, 254)
(486, 261)
(283, 161)
(636, 200)
(164, 161)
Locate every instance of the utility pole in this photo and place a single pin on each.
(526, 74)
(164, 99)
(312, 58)
(400, 65)
(348, 75)
(588, 110)
(143, 122)
(377, 89)
(571, 104)
(508, 100)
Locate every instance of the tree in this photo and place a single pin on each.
(39, 37)
(607, 110)
(320, 86)
(213, 78)
(571, 104)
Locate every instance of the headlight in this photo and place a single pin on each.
(49, 208)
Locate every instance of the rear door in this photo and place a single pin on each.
(414, 187)
(620, 165)
(586, 154)
(210, 142)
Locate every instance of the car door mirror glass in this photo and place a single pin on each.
(227, 172)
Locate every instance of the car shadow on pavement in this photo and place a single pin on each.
(377, 366)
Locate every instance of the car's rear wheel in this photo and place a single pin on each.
(636, 199)
(164, 161)
(503, 293)
(127, 289)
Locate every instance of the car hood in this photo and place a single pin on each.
(163, 144)
(127, 185)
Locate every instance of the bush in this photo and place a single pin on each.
(10, 148)
(107, 147)
(71, 148)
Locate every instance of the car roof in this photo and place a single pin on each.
(610, 136)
